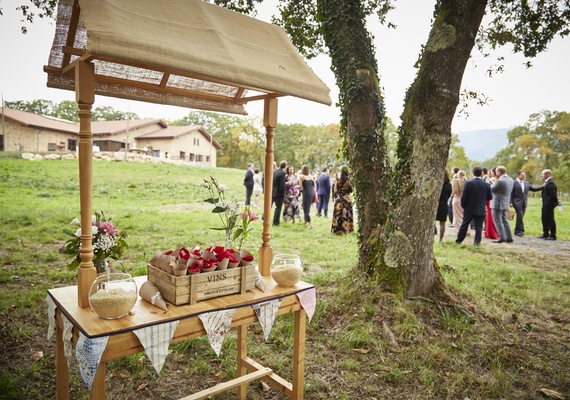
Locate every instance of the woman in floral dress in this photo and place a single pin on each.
(291, 201)
(342, 220)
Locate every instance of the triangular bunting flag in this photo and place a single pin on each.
(217, 324)
(266, 313)
(308, 299)
(51, 316)
(155, 339)
(67, 335)
(88, 353)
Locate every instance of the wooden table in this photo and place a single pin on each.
(122, 341)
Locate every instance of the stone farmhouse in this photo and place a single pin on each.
(27, 132)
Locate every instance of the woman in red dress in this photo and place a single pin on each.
(490, 231)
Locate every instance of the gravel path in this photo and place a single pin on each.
(532, 243)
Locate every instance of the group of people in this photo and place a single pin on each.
(293, 191)
(486, 200)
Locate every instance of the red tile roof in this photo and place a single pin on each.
(39, 121)
(171, 132)
(105, 128)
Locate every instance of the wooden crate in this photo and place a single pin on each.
(190, 289)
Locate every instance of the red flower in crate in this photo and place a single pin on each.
(183, 253)
(195, 267)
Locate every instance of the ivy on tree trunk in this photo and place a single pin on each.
(396, 206)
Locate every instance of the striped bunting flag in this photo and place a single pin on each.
(155, 339)
(266, 313)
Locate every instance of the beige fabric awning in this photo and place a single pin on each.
(179, 52)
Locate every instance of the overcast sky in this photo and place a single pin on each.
(514, 95)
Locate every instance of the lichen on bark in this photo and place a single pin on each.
(441, 38)
(396, 249)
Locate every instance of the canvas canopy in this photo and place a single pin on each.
(180, 52)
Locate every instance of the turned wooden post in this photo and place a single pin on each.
(270, 123)
(85, 96)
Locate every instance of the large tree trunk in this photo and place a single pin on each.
(396, 211)
(356, 72)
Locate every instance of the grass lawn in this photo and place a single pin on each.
(507, 335)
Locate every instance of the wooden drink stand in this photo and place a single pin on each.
(104, 47)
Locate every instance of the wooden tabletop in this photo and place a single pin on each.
(145, 314)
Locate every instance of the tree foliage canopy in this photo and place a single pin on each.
(543, 142)
(68, 110)
(243, 140)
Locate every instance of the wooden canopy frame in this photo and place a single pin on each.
(74, 66)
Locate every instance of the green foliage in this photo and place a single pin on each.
(315, 146)
(68, 110)
(108, 113)
(243, 140)
(39, 106)
(528, 26)
(300, 20)
(457, 156)
(242, 6)
(542, 142)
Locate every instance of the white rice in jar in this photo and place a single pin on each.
(287, 274)
(113, 303)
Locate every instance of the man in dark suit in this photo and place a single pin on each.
(324, 192)
(476, 192)
(519, 201)
(248, 183)
(549, 203)
(279, 179)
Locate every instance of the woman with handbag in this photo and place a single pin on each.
(307, 184)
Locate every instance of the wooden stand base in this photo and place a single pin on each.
(122, 341)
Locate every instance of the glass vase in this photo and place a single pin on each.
(113, 295)
(286, 269)
(102, 267)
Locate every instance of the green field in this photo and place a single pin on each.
(506, 335)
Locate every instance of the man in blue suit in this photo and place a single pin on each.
(323, 192)
(476, 192)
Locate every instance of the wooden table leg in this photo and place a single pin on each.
(61, 367)
(241, 355)
(299, 355)
(97, 391)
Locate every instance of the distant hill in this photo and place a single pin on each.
(483, 144)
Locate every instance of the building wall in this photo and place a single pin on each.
(116, 142)
(23, 138)
(194, 146)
